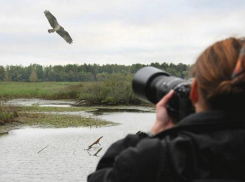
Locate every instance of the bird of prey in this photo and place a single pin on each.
(57, 28)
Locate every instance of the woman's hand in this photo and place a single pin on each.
(163, 121)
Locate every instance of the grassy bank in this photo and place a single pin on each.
(51, 109)
(12, 117)
(58, 121)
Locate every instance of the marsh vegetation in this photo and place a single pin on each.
(55, 117)
(107, 85)
(113, 90)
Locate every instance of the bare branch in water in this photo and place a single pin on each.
(97, 152)
(96, 142)
(43, 149)
(88, 152)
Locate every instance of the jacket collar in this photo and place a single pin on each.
(213, 117)
(207, 121)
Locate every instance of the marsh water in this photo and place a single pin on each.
(49, 154)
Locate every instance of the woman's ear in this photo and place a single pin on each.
(194, 92)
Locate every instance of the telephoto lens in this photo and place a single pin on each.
(150, 84)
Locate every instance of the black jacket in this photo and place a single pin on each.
(207, 146)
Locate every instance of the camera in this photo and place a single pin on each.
(150, 84)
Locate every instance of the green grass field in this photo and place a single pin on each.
(47, 90)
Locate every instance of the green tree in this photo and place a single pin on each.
(85, 72)
(7, 78)
(16, 73)
(2, 73)
(33, 76)
(39, 71)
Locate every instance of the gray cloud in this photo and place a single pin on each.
(115, 32)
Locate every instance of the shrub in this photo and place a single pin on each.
(113, 91)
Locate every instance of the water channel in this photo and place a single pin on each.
(51, 155)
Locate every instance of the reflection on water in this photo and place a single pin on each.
(39, 102)
(35, 154)
(101, 111)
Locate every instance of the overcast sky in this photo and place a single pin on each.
(115, 31)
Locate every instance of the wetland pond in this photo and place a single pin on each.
(50, 154)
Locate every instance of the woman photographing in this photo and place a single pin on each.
(207, 146)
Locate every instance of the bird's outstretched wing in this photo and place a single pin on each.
(65, 35)
(52, 20)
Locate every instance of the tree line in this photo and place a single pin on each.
(81, 73)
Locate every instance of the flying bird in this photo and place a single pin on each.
(57, 28)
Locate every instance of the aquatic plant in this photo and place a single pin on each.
(6, 115)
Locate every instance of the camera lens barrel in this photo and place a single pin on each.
(145, 83)
(150, 84)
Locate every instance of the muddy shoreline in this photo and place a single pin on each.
(6, 128)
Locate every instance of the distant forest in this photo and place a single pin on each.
(80, 73)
